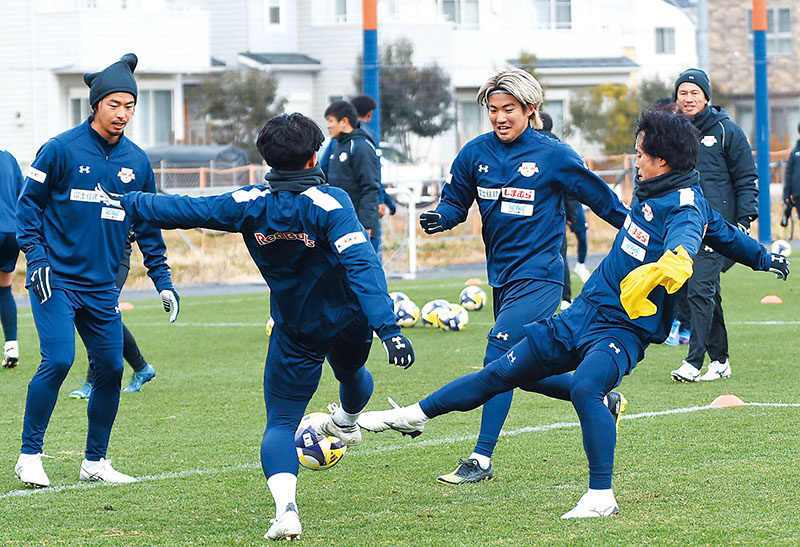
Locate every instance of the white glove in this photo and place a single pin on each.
(171, 302)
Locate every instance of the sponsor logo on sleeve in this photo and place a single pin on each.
(633, 249)
(109, 213)
(519, 209)
(638, 234)
(348, 240)
(528, 169)
(488, 193)
(522, 194)
(36, 175)
(126, 174)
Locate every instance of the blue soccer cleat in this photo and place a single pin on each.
(674, 334)
(140, 378)
(83, 392)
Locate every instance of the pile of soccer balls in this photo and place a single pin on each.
(439, 313)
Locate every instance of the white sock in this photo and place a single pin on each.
(340, 417)
(415, 415)
(483, 461)
(283, 487)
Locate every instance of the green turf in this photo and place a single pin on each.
(710, 477)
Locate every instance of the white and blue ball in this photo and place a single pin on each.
(316, 451)
(398, 296)
(407, 313)
(429, 315)
(453, 319)
(781, 247)
(472, 298)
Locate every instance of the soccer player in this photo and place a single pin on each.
(519, 177)
(10, 187)
(625, 305)
(73, 244)
(328, 293)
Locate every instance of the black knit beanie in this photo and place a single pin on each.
(694, 76)
(117, 77)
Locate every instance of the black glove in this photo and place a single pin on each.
(40, 283)
(105, 198)
(779, 265)
(744, 225)
(431, 222)
(399, 350)
(171, 302)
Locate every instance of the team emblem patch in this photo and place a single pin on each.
(528, 169)
(343, 157)
(709, 141)
(647, 212)
(126, 174)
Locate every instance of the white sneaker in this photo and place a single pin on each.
(582, 271)
(350, 435)
(103, 472)
(593, 504)
(287, 526)
(381, 420)
(565, 304)
(10, 354)
(685, 373)
(717, 370)
(30, 471)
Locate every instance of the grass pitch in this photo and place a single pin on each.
(685, 474)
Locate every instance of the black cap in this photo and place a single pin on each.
(117, 77)
(694, 76)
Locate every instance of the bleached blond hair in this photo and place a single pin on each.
(520, 85)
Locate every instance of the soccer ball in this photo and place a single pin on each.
(270, 324)
(316, 451)
(453, 319)
(472, 298)
(429, 315)
(398, 296)
(781, 247)
(407, 313)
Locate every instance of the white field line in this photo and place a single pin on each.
(369, 451)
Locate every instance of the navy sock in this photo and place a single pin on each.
(8, 313)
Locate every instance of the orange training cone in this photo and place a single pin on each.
(125, 306)
(727, 401)
(473, 281)
(772, 299)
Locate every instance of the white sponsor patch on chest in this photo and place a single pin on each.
(488, 193)
(522, 194)
(638, 234)
(519, 209)
(35, 174)
(348, 240)
(89, 196)
(109, 213)
(633, 249)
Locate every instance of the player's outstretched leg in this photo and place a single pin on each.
(330, 426)
(408, 420)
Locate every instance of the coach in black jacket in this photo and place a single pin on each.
(791, 181)
(728, 178)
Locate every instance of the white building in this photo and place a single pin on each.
(312, 46)
(47, 45)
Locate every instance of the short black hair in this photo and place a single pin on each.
(669, 136)
(364, 104)
(342, 109)
(288, 141)
(664, 103)
(547, 121)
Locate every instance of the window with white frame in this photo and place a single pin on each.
(553, 14)
(272, 13)
(152, 123)
(464, 13)
(779, 31)
(665, 40)
(78, 110)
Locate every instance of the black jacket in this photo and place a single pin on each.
(727, 170)
(353, 167)
(791, 180)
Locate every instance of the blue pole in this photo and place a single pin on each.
(372, 63)
(762, 118)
